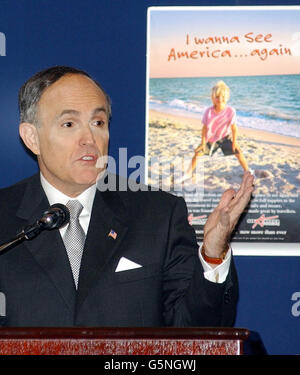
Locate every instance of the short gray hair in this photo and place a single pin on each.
(30, 93)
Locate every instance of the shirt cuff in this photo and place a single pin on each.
(219, 273)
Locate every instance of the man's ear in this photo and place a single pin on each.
(28, 133)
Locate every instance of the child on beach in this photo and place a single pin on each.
(219, 129)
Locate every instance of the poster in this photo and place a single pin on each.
(255, 53)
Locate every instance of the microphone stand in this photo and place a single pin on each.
(27, 233)
(15, 241)
(56, 216)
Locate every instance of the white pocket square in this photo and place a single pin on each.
(126, 264)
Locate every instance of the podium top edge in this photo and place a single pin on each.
(124, 332)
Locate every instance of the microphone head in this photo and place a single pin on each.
(56, 216)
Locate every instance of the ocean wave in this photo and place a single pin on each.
(188, 106)
(154, 100)
(244, 120)
(270, 115)
(273, 126)
(258, 102)
(283, 116)
(191, 108)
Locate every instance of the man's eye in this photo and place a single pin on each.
(67, 124)
(99, 123)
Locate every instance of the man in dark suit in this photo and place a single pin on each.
(140, 264)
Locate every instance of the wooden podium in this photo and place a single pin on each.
(122, 341)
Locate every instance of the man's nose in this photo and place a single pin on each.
(87, 136)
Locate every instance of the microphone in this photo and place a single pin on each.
(55, 217)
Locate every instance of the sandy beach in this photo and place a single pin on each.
(274, 158)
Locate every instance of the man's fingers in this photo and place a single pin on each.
(236, 203)
(226, 198)
(232, 204)
(230, 196)
(247, 183)
(246, 189)
(240, 203)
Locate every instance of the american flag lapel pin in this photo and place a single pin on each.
(112, 234)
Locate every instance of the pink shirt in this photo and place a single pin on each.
(218, 123)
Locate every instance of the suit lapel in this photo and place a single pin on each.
(47, 248)
(108, 214)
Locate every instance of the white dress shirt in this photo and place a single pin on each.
(86, 199)
(217, 274)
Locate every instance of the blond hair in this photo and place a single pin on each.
(221, 88)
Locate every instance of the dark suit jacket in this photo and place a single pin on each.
(152, 230)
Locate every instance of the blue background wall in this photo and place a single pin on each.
(107, 38)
